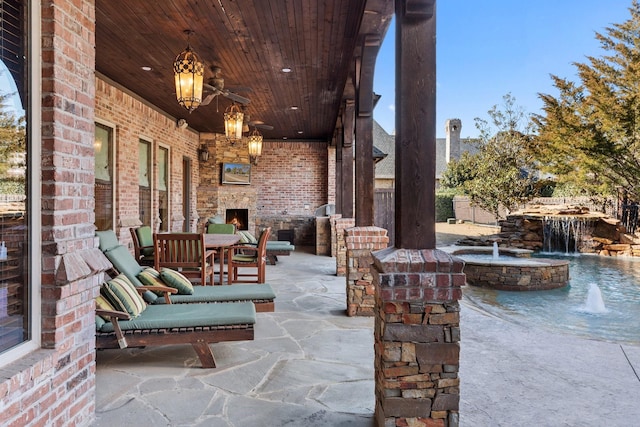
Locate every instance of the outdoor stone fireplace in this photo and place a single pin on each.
(239, 217)
(238, 204)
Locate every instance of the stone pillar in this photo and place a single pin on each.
(339, 225)
(360, 242)
(417, 334)
(323, 235)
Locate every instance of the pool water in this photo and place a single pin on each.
(566, 310)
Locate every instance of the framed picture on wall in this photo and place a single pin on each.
(236, 173)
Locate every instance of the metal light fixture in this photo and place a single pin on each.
(203, 153)
(189, 72)
(255, 146)
(233, 123)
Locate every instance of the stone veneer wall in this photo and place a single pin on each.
(547, 274)
(360, 242)
(417, 334)
(338, 244)
(323, 235)
(603, 236)
(214, 198)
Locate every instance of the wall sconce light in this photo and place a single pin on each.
(255, 146)
(188, 71)
(233, 123)
(203, 153)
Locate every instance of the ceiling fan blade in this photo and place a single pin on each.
(236, 98)
(207, 99)
(260, 125)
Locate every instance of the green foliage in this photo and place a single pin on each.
(501, 172)
(458, 172)
(589, 136)
(12, 186)
(12, 138)
(444, 205)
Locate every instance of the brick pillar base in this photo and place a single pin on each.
(417, 334)
(338, 225)
(360, 241)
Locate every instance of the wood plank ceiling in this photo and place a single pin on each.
(252, 41)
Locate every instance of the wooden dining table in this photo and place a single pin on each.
(220, 243)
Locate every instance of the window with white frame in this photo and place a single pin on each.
(144, 182)
(104, 177)
(19, 178)
(163, 188)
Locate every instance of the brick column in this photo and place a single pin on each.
(417, 334)
(338, 226)
(360, 242)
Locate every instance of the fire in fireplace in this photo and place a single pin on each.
(239, 217)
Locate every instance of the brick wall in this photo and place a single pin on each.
(56, 385)
(289, 182)
(135, 120)
(287, 185)
(290, 175)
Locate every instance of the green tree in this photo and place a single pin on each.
(12, 137)
(589, 135)
(458, 172)
(501, 173)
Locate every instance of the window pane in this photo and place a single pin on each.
(104, 186)
(14, 285)
(163, 185)
(144, 180)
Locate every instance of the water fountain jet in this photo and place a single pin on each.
(594, 303)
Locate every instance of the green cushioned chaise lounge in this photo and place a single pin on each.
(197, 324)
(262, 295)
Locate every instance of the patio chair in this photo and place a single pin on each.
(186, 253)
(124, 320)
(220, 228)
(124, 262)
(243, 256)
(142, 238)
(275, 248)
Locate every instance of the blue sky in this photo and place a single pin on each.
(486, 49)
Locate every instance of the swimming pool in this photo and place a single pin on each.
(565, 309)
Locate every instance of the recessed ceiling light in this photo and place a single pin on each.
(146, 68)
(300, 132)
(294, 107)
(286, 70)
(284, 137)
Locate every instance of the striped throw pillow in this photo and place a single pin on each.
(176, 280)
(103, 304)
(126, 293)
(151, 277)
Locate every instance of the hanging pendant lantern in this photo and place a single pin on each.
(233, 123)
(189, 72)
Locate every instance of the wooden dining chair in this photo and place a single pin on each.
(243, 256)
(142, 238)
(186, 253)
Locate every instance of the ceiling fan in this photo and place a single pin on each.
(246, 122)
(215, 87)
